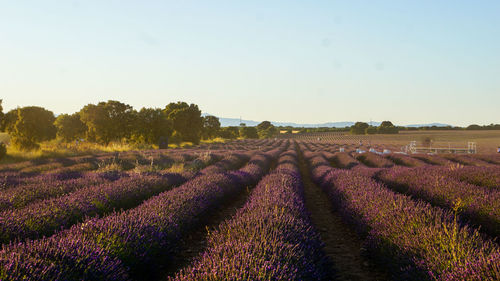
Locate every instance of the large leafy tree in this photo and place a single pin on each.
(231, 132)
(359, 128)
(266, 130)
(211, 127)
(9, 120)
(33, 125)
(70, 127)
(150, 125)
(107, 121)
(249, 132)
(264, 125)
(387, 127)
(186, 120)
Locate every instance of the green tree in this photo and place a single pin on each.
(211, 127)
(371, 130)
(264, 125)
(249, 132)
(186, 119)
(151, 124)
(387, 127)
(266, 130)
(230, 132)
(9, 120)
(473, 127)
(107, 121)
(33, 125)
(70, 127)
(359, 128)
(3, 150)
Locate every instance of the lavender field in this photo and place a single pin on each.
(252, 210)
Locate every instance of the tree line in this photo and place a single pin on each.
(113, 121)
(386, 127)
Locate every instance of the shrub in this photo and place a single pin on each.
(33, 125)
(3, 150)
(371, 130)
(25, 144)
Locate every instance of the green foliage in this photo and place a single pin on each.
(231, 132)
(387, 127)
(268, 133)
(266, 130)
(9, 120)
(187, 120)
(264, 125)
(211, 127)
(70, 127)
(249, 132)
(3, 150)
(107, 121)
(150, 124)
(33, 125)
(386, 124)
(176, 138)
(371, 130)
(484, 127)
(359, 128)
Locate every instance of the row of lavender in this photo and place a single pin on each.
(14, 172)
(129, 242)
(18, 190)
(52, 185)
(43, 218)
(487, 175)
(270, 238)
(474, 190)
(56, 184)
(414, 239)
(72, 167)
(448, 187)
(417, 159)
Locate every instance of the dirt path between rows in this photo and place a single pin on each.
(195, 241)
(343, 246)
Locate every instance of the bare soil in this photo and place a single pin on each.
(343, 246)
(195, 242)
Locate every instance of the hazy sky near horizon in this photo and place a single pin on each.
(296, 61)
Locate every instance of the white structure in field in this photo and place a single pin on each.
(413, 148)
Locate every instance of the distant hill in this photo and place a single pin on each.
(226, 122)
(428, 125)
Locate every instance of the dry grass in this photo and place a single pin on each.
(184, 144)
(486, 141)
(57, 148)
(215, 140)
(176, 168)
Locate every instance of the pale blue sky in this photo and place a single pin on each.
(297, 61)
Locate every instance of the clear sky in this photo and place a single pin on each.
(297, 61)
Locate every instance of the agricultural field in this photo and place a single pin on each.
(487, 141)
(285, 209)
